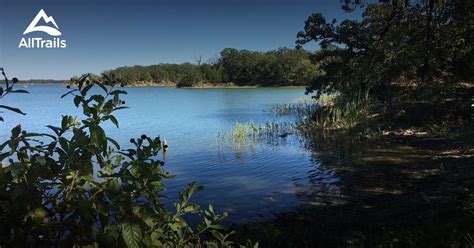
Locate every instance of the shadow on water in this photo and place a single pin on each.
(394, 192)
(305, 184)
(403, 191)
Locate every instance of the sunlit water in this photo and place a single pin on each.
(250, 183)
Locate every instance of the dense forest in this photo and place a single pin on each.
(282, 67)
(405, 63)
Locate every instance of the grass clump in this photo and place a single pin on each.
(303, 109)
(246, 134)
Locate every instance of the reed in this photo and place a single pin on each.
(304, 108)
(342, 112)
(249, 133)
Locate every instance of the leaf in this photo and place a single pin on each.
(86, 89)
(114, 120)
(77, 100)
(16, 131)
(33, 135)
(131, 234)
(217, 227)
(108, 106)
(191, 208)
(120, 108)
(98, 137)
(193, 187)
(4, 155)
(116, 100)
(211, 208)
(98, 98)
(12, 109)
(19, 91)
(56, 130)
(37, 214)
(154, 236)
(65, 122)
(219, 236)
(113, 186)
(116, 144)
(64, 143)
(116, 92)
(71, 91)
(103, 87)
(83, 78)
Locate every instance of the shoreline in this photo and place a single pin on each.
(175, 85)
(208, 85)
(387, 183)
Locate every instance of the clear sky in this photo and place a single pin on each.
(106, 34)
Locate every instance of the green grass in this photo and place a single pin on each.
(303, 107)
(250, 133)
(328, 111)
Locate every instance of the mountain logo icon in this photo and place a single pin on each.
(47, 29)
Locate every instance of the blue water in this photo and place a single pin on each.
(250, 184)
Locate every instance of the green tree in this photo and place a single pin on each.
(280, 67)
(426, 44)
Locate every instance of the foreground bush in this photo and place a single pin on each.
(75, 186)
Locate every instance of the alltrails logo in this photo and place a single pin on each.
(38, 42)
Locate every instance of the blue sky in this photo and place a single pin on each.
(106, 34)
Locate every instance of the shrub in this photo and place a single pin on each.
(75, 186)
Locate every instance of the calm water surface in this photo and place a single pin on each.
(249, 183)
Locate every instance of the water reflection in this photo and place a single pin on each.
(252, 179)
(316, 184)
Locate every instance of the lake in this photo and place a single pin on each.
(250, 183)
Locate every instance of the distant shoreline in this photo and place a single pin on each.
(41, 81)
(207, 85)
(29, 84)
(169, 85)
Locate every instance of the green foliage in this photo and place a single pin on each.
(282, 67)
(425, 45)
(399, 52)
(248, 134)
(8, 89)
(75, 186)
(340, 114)
(304, 108)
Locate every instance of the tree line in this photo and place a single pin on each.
(281, 67)
(426, 43)
(412, 57)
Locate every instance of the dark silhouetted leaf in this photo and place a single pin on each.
(16, 110)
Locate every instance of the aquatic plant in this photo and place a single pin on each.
(247, 135)
(302, 109)
(340, 115)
